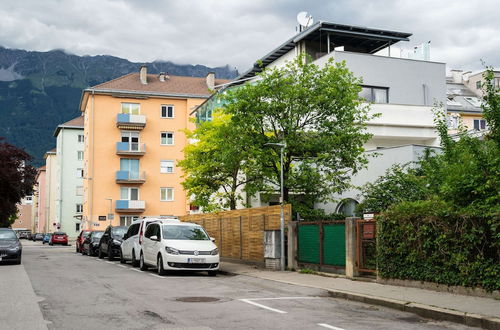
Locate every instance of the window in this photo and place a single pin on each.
(347, 207)
(79, 172)
(151, 230)
(166, 194)
(478, 84)
(479, 124)
(126, 220)
(166, 166)
(167, 111)
(79, 208)
(132, 138)
(80, 138)
(375, 94)
(473, 100)
(167, 138)
(79, 191)
(131, 108)
(131, 166)
(453, 121)
(79, 155)
(129, 193)
(77, 227)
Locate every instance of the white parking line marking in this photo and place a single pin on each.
(137, 270)
(284, 298)
(248, 301)
(156, 275)
(110, 262)
(324, 325)
(122, 266)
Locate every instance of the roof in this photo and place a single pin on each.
(363, 39)
(76, 123)
(460, 98)
(51, 152)
(173, 86)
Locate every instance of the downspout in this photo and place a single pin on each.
(91, 179)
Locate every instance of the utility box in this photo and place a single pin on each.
(272, 244)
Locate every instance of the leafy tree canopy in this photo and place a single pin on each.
(17, 178)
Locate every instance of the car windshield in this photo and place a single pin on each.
(119, 231)
(7, 234)
(59, 233)
(86, 233)
(184, 233)
(97, 234)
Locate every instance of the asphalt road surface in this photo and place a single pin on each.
(80, 292)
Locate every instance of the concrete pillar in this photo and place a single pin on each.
(351, 270)
(292, 245)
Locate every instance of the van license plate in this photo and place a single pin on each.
(196, 260)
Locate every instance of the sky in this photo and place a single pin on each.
(238, 32)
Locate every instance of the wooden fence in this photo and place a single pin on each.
(239, 234)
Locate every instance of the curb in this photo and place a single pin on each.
(431, 312)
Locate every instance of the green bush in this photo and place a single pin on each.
(429, 241)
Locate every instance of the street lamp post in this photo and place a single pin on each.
(282, 203)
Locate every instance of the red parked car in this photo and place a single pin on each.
(59, 238)
(79, 240)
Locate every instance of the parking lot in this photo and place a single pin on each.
(75, 292)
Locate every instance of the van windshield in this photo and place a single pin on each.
(195, 233)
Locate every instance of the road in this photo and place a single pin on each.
(80, 292)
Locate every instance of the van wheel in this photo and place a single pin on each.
(142, 265)
(161, 270)
(135, 263)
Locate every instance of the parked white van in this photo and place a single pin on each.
(178, 246)
(131, 247)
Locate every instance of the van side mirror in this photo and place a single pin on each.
(212, 239)
(125, 237)
(154, 238)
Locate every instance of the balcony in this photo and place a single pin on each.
(130, 177)
(125, 206)
(130, 149)
(128, 121)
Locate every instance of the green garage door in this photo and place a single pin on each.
(334, 244)
(308, 243)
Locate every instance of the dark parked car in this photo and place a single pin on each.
(79, 240)
(91, 243)
(10, 247)
(58, 238)
(38, 237)
(111, 241)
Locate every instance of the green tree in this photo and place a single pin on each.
(218, 165)
(16, 180)
(317, 113)
(491, 106)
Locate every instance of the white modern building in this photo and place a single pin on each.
(402, 90)
(68, 188)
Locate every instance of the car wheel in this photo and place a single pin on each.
(135, 263)
(212, 273)
(110, 254)
(83, 251)
(51, 244)
(161, 270)
(122, 260)
(18, 261)
(100, 254)
(142, 265)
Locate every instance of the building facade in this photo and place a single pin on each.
(134, 132)
(23, 221)
(51, 182)
(69, 176)
(475, 81)
(38, 209)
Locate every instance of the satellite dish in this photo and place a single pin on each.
(305, 19)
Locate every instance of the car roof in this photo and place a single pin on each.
(156, 219)
(7, 229)
(187, 224)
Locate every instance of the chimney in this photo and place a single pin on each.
(457, 76)
(143, 74)
(162, 76)
(211, 80)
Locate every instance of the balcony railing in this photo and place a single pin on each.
(124, 205)
(130, 177)
(130, 148)
(128, 121)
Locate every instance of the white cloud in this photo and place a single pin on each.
(219, 32)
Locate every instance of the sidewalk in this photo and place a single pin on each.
(473, 311)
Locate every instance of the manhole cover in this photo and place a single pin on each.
(197, 299)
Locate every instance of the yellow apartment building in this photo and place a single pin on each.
(134, 136)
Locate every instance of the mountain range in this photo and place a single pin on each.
(40, 90)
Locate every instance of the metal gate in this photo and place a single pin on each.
(366, 257)
(321, 243)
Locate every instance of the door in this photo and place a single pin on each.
(148, 243)
(105, 240)
(131, 166)
(132, 140)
